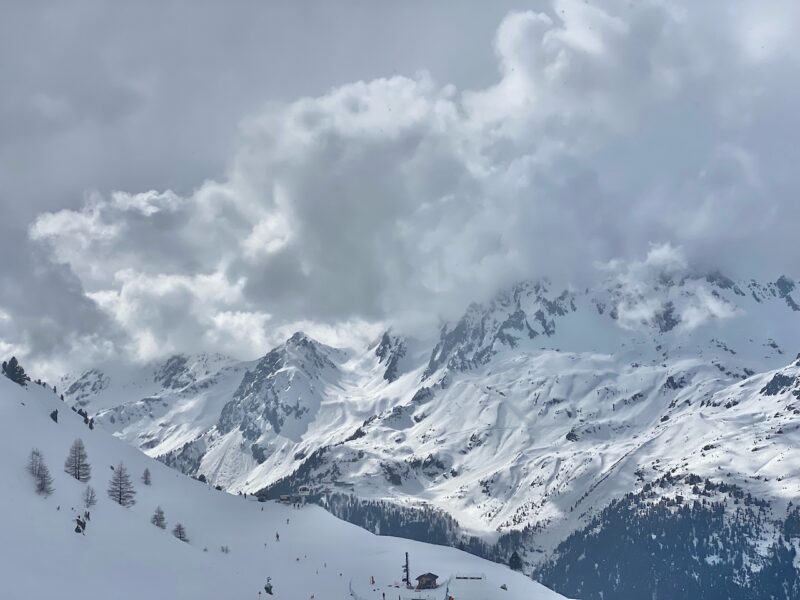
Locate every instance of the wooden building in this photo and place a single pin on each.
(427, 581)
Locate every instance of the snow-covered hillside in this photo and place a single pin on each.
(122, 555)
(534, 410)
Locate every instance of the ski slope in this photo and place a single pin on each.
(123, 556)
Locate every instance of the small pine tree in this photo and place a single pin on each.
(44, 483)
(515, 562)
(146, 477)
(35, 462)
(77, 463)
(89, 497)
(180, 532)
(120, 489)
(14, 371)
(158, 518)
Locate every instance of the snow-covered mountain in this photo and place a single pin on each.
(120, 554)
(530, 413)
(161, 406)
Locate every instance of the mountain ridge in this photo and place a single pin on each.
(532, 411)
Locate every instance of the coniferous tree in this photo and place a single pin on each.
(77, 463)
(158, 518)
(14, 371)
(35, 462)
(180, 532)
(89, 497)
(146, 477)
(515, 562)
(44, 482)
(120, 489)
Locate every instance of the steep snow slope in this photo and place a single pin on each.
(534, 409)
(122, 555)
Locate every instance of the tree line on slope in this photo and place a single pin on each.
(704, 548)
(120, 488)
(637, 547)
(423, 523)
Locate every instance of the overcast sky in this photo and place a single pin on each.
(193, 175)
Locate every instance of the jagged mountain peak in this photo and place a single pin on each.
(282, 390)
(660, 312)
(300, 338)
(525, 311)
(182, 370)
(300, 343)
(391, 350)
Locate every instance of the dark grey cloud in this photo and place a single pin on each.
(347, 186)
(149, 94)
(44, 312)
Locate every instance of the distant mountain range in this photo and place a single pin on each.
(527, 420)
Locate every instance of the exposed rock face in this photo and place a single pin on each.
(89, 384)
(391, 350)
(282, 387)
(527, 311)
(174, 373)
(785, 287)
(779, 384)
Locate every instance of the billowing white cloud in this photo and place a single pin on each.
(646, 287)
(610, 128)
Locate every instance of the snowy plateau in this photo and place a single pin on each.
(633, 439)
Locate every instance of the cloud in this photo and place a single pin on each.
(705, 307)
(644, 290)
(45, 315)
(609, 128)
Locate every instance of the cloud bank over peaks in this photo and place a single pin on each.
(663, 286)
(611, 127)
